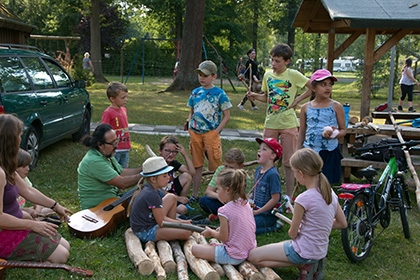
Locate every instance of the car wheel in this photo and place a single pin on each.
(84, 127)
(31, 145)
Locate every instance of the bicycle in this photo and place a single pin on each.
(365, 207)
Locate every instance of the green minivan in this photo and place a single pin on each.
(34, 87)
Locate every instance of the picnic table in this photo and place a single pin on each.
(397, 115)
(350, 165)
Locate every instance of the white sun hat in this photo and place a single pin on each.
(155, 166)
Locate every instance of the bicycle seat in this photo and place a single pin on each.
(368, 172)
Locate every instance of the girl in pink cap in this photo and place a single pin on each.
(322, 122)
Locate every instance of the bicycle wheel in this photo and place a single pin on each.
(357, 237)
(403, 206)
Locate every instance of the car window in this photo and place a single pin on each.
(12, 75)
(38, 73)
(59, 75)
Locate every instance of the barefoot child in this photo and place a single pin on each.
(317, 212)
(322, 122)
(237, 225)
(149, 210)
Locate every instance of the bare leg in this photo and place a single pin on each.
(202, 251)
(197, 180)
(185, 179)
(271, 255)
(61, 253)
(169, 205)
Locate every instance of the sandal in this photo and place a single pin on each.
(306, 272)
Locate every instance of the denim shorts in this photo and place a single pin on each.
(147, 235)
(294, 257)
(222, 257)
(122, 158)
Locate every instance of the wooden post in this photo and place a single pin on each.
(181, 262)
(140, 260)
(200, 267)
(202, 240)
(151, 252)
(367, 72)
(165, 254)
(269, 274)
(229, 269)
(408, 158)
(250, 272)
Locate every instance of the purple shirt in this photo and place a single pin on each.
(10, 203)
(241, 221)
(312, 239)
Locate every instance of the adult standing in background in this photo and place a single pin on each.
(407, 84)
(87, 63)
(251, 67)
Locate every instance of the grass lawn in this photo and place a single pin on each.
(392, 256)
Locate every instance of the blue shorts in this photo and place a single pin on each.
(147, 235)
(122, 158)
(222, 257)
(294, 257)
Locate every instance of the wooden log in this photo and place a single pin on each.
(249, 271)
(165, 254)
(269, 274)
(202, 240)
(181, 262)
(140, 260)
(230, 270)
(150, 250)
(200, 267)
(408, 158)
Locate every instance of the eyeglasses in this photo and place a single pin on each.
(171, 152)
(113, 143)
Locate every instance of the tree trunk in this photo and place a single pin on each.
(95, 41)
(255, 24)
(190, 58)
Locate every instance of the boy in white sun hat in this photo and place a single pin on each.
(149, 210)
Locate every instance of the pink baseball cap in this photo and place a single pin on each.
(277, 148)
(322, 74)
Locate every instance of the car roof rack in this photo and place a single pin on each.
(16, 46)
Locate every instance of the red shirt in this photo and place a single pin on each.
(117, 118)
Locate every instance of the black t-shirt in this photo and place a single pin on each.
(141, 216)
(254, 67)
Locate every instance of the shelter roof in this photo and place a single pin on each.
(11, 21)
(387, 16)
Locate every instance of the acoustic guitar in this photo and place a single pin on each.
(99, 221)
(22, 264)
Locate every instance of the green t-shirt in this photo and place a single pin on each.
(220, 168)
(281, 92)
(94, 171)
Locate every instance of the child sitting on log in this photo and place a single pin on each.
(237, 224)
(149, 210)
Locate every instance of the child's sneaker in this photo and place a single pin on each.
(255, 108)
(241, 107)
(411, 109)
(400, 108)
(279, 225)
(193, 199)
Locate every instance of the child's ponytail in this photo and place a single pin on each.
(235, 179)
(310, 163)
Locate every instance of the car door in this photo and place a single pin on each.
(73, 98)
(49, 98)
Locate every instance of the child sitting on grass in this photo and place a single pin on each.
(149, 210)
(237, 225)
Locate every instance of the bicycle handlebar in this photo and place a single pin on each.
(408, 145)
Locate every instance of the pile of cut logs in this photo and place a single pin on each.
(168, 257)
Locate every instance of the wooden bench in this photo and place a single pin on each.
(351, 165)
(397, 116)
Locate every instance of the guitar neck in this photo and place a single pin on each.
(22, 264)
(120, 200)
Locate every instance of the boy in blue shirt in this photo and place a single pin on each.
(208, 116)
(266, 192)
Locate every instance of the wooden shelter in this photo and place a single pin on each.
(360, 17)
(12, 30)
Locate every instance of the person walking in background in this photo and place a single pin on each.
(407, 84)
(87, 63)
(251, 69)
(240, 69)
(322, 122)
